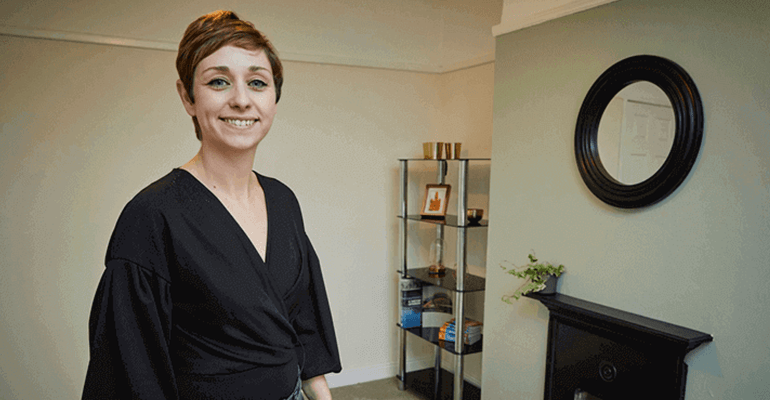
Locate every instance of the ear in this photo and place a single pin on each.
(186, 102)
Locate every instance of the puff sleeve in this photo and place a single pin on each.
(130, 320)
(314, 325)
(129, 332)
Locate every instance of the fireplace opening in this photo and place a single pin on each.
(581, 395)
(600, 353)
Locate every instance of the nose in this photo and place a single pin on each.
(239, 97)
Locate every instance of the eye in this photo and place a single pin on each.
(217, 83)
(258, 84)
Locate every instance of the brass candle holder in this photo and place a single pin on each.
(452, 150)
(433, 150)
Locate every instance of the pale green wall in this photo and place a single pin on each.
(700, 258)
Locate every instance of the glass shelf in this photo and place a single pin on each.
(423, 382)
(431, 335)
(473, 283)
(444, 159)
(450, 220)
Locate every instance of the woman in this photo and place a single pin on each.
(212, 289)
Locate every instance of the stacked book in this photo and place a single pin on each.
(411, 303)
(471, 331)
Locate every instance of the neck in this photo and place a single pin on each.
(230, 175)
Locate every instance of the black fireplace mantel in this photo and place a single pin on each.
(613, 354)
(617, 320)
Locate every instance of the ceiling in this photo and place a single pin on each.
(417, 35)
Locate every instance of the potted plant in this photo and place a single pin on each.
(540, 276)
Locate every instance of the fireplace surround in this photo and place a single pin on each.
(598, 352)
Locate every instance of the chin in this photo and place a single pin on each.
(238, 142)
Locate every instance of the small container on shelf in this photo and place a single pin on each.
(453, 151)
(433, 150)
(437, 268)
(475, 215)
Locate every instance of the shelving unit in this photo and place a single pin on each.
(458, 281)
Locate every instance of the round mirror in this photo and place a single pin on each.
(639, 131)
(636, 132)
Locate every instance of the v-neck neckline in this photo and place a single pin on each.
(238, 227)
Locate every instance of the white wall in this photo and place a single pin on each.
(83, 127)
(699, 258)
(79, 136)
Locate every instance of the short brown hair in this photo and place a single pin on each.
(213, 31)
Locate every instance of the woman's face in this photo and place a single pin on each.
(234, 98)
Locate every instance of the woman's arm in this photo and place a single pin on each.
(129, 332)
(316, 388)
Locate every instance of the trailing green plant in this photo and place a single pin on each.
(535, 273)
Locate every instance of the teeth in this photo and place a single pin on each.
(240, 122)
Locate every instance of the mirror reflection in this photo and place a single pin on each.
(636, 133)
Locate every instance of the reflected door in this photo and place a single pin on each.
(646, 139)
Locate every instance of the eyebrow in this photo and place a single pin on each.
(223, 68)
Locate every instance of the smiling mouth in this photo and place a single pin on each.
(239, 122)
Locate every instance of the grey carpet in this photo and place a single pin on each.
(384, 389)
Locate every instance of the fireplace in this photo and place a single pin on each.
(601, 353)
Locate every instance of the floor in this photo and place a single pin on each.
(384, 389)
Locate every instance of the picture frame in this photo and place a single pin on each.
(435, 202)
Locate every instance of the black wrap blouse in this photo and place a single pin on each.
(188, 309)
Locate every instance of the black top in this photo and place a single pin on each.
(187, 308)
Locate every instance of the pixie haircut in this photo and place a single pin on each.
(213, 31)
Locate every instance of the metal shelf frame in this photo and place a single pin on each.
(459, 222)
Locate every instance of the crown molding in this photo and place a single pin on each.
(469, 63)
(90, 38)
(87, 38)
(358, 62)
(510, 21)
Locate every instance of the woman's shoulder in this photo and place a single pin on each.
(275, 188)
(171, 188)
(271, 183)
(172, 193)
(142, 224)
(280, 196)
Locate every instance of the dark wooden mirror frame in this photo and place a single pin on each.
(688, 111)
